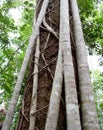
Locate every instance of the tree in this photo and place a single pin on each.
(97, 80)
(71, 67)
(92, 17)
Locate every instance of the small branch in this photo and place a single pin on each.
(46, 65)
(43, 28)
(20, 124)
(52, 8)
(49, 28)
(41, 69)
(23, 111)
(38, 4)
(52, 22)
(39, 110)
(45, 46)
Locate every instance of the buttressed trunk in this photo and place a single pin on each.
(58, 94)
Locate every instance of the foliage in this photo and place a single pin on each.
(12, 49)
(6, 26)
(13, 42)
(92, 19)
(97, 80)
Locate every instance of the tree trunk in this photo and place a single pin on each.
(72, 109)
(88, 110)
(49, 43)
(58, 93)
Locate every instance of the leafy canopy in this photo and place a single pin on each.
(91, 12)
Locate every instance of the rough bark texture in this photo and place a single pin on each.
(59, 96)
(48, 56)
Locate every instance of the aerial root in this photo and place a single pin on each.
(35, 87)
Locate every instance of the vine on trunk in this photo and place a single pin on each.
(56, 90)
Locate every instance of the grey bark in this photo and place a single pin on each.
(53, 112)
(11, 109)
(35, 86)
(89, 116)
(72, 110)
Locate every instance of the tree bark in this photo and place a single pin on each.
(72, 109)
(35, 87)
(89, 115)
(53, 112)
(47, 64)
